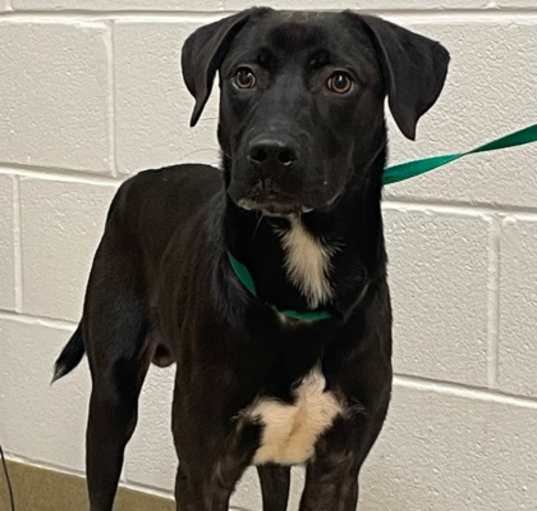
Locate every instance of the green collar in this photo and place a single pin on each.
(392, 175)
(245, 278)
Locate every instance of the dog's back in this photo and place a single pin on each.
(153, 204)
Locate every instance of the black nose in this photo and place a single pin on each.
(268, 152)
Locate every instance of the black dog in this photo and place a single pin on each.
(297, 371)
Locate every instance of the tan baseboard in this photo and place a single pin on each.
(40, 489)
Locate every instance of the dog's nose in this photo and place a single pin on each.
(272, 152)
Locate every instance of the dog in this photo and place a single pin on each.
(263, 281)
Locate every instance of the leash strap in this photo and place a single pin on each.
(415, 168)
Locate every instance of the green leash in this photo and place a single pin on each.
(394, 174)
(415, 168)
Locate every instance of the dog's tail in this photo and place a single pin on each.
(70, 356)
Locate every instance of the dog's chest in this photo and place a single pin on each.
(307, 262)
(290, 431)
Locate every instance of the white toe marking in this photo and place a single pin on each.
(291, 430)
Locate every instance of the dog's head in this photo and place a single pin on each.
(302, 98)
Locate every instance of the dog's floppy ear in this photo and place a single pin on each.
(414, 68)
(203, 53)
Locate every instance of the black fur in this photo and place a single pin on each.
(161, 288)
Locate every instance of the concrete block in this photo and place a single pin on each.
(62, 223)
(440, 452)
(39, 422)
(489, 93)
(515, 4)
(369, 5)
(517, 350)
(438, 274)
(119, 5)
(151, 457)
(7, 243)
(54, 94)
(153, 105)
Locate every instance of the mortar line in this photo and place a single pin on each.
(464, 391)
(102, 15)
(112, 125)
(31, 319)
(458, 207)
(58, 174)
(48, 465)
(17, 242)
(147, 488)
(493, 302)
(523, 14)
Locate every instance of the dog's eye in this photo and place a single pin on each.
(339, 82)
(244, 78)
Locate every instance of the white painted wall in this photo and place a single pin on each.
(90, 91)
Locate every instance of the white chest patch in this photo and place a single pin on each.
(291, 431)
(307, 263)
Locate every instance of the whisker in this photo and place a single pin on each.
(259, 220)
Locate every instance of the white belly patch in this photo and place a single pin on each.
(291, 430)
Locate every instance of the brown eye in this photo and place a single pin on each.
(244, 78)
(340, 83)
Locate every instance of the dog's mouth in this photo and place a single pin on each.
(277, 206)
(273, 208)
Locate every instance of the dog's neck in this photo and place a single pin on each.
(323, 259)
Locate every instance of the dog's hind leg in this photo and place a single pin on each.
(275, 481)
(115, 330)
(113, 412)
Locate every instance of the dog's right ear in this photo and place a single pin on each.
(203, 53)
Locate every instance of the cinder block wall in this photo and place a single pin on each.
(91, 91)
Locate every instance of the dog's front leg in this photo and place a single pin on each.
(332, 474)
(212, 493)
(208, 486)
(212, 460)
(202, 492)
(275, 481)
(330, 484)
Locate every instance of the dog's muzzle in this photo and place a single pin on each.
(269, 178)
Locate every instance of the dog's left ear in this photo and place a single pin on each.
(414, 68)
(203, 53)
